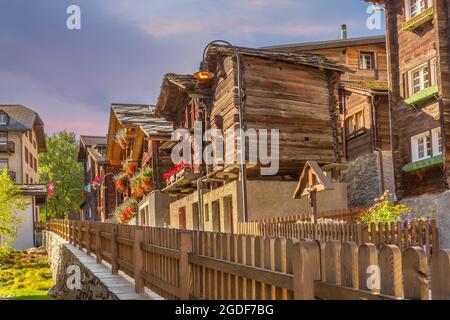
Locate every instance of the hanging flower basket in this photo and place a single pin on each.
(137, 190)
(97, 183)
(126, 212)
(146, 175)
(129, 168)
(120, 181)
(121, 138)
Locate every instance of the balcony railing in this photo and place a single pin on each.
(418, 20)
(7, 147)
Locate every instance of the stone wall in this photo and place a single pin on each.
(363, 179)
(438, 206)
(96, 281)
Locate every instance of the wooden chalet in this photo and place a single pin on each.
(134, 136)
(295, 93)
(91, 155)
(364, 106)
(417, 33)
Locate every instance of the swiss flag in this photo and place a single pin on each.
(50, 189)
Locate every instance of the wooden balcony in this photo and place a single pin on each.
(182, 182)
(7, 147)
(418, 20)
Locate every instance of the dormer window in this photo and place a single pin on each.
(3, 118)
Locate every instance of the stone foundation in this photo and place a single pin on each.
(363, 179)
(437, 206)
(96, 280)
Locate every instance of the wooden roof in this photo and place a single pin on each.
(369, 86)
(338, 43)
(288, 57)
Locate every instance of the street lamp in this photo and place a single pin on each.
(205, 75)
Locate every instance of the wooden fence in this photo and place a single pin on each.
(345, 215)
(414, 233)
(180, 264)
(343, 271)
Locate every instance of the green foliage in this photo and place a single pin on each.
(25, 276)
(60, 165)
(384, 211)
(11, 202)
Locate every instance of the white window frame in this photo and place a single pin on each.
(3, 119)
(424, 82)
(415, 146)
(435, 133)
(420, 4)
(363, 62)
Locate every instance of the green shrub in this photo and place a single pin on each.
(384, 211)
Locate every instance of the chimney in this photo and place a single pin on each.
(344, 32)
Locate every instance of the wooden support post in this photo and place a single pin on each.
(70, 232)
(114, 251)
(138, 259)
(185, 245)
(98, 243)
(80, 238)
(88, 237)
(306, 268)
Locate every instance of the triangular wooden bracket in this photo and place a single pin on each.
(312, 177)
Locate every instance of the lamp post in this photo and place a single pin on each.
(204, 75)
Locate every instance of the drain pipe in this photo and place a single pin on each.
(375, 147)
(200, 202)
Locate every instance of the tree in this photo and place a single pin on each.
(11, 202)
(60, 165)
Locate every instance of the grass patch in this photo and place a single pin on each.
(25, 276)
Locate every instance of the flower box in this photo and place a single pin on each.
(423, 96)
(418, 20)
(418, 165)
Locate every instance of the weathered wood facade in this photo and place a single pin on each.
(297, 94)
(418, 56)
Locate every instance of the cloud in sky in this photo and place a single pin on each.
(126, 46)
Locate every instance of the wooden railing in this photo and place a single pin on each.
(403, 234)
(179, 264)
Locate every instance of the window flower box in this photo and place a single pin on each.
(423, 96)
(418, 20)
(418, 165)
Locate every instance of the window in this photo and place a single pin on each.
(421, 146)
(3, 164)
(31, 181)
(416, 7)
(421, 78)
(3, 136)
(26, 155)
(438, 146)
(27, 180)
(367, 61)
(355, 122)
(35, 165)
(3, 118)
(30, 137)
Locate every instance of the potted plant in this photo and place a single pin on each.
(120, 181)
(136, 187)
(129, 167)
(97, 183)
(126, 212)
(146, 178)
(121, 138)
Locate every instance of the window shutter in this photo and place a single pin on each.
(405, 86)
